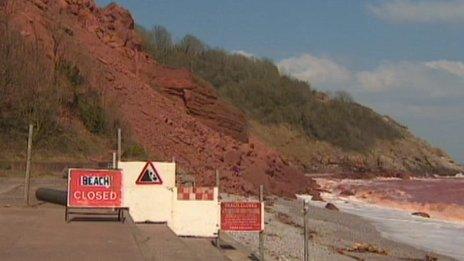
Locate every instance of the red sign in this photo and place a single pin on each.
(149, 176)
(94, 188)
(242, 216)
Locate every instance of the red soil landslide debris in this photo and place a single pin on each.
(169, 111)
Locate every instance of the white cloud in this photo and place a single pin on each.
(391, 76)
(380, 79)
(314, 69)
(426, 96)
(437, 78)
(408, 11)
(452, 67)
(243, 53)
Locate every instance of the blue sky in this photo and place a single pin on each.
(404, 58)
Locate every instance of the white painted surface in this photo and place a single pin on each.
(195, 217)
(158, 203)
(148, 202)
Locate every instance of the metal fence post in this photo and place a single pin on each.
(119, 144)
(261, 233)
(115, 162)
(28, 166)
(218, 239)
(305, 222)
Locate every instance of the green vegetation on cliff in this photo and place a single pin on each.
(69, 116)
(56, 97)
(257, 87)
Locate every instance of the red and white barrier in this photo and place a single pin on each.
(150, 194)
(195, 193)
(196, 212)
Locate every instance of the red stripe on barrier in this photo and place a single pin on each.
(198, 193)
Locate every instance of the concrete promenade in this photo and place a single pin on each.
(41, 233)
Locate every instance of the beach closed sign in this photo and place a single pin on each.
(94, 188)
(242, 216)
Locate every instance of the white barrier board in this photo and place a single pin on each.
(148, 202)
(150, 194)
(195, 217)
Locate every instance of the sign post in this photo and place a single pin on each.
(218, 239)
(28, 166)
(115, 161)
(119, 144)
(305, 222)
(98, 189)
(261, 233)
(241, 216)
(245, 217)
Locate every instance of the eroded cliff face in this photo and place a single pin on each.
(114, 26)
(168, 111)
(172, 113)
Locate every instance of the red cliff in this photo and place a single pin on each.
(169, 111)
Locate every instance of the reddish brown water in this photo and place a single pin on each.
(441, 198)
(446, 191)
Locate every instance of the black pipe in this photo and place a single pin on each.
(55, 196)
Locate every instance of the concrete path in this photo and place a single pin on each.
(42, 234)
(158, 242)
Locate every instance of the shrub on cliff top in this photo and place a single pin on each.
(256, 86)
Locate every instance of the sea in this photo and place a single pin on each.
(442, 235)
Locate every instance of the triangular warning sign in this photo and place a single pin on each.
(149, 175)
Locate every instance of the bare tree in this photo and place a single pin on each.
(343, 96)
(192, 45)
(162, 38)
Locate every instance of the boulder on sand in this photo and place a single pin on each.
(317, 197)
(421, 214)
(365, 247)
(331, 206)
(346, 193)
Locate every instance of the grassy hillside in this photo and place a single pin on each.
(256, 86)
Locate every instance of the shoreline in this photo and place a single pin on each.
(454, 213)
(389, 203)
(424, 195)
(438, 236)
(334, 235)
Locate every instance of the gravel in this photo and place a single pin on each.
(332, 234)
